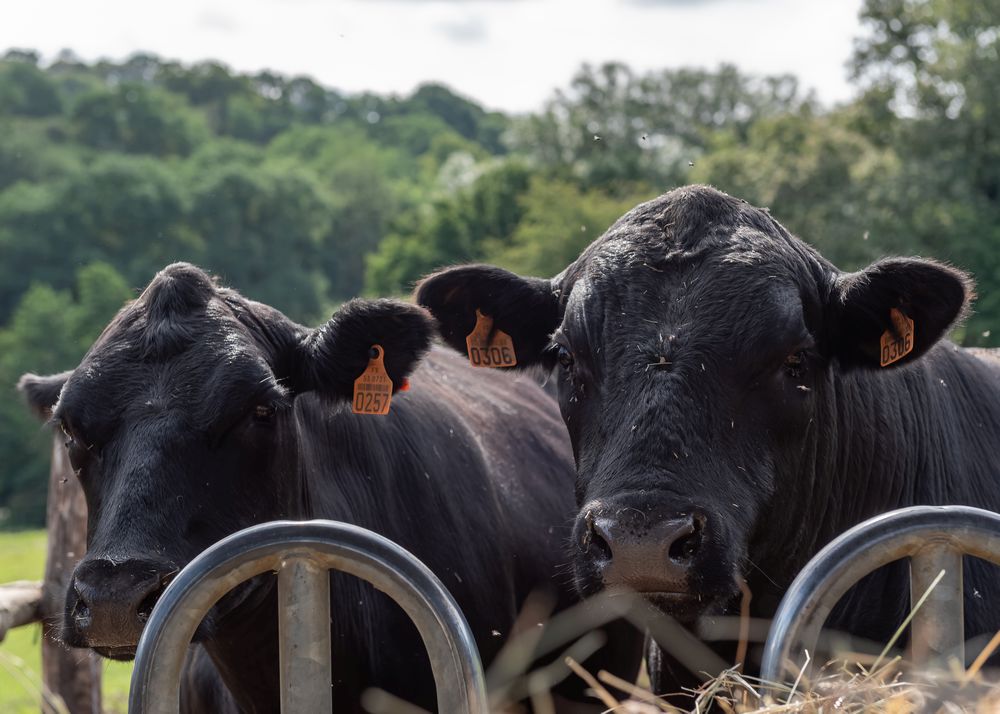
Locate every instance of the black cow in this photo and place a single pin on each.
(723, 389)
(198, 412)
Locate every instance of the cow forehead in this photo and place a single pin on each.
(718, 302)
(630, 247)
(688, 224)
(623, 274)
(158, 363)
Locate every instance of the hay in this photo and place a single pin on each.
(838, 687)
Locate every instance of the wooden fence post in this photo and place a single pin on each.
(72, 674)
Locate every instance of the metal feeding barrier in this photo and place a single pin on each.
(935, 538)
(302, 554)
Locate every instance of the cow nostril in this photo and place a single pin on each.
(685, 548)
(599, 546)
(81, 615)
(593, 541)
(145, 608)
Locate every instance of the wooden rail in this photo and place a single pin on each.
(20, 604)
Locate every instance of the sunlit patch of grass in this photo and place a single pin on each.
(22, 557)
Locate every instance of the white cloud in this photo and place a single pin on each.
(220, 22)
(509, 54)
(469, 29)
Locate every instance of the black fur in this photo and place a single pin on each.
(180, 442)
(712, 368)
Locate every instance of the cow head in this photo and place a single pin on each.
(180, 425)
(697, 343)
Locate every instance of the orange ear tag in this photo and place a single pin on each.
(898, 345)
(373, 389)
(488, 347)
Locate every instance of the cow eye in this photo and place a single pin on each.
(565, 357)
(78, 454)
(795, 364)
(263, 413)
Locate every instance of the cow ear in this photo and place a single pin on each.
(933, 296)
(42, 393)
(335, 354)
(527, 309)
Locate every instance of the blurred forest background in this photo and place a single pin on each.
(302, 197)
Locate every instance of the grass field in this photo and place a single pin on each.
(22, 557)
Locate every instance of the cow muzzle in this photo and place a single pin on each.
(109, 602)
(649, 553)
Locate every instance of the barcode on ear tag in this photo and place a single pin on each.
(898, 345)
(488, 347)
(373, 389)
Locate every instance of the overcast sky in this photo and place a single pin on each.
(508, 54)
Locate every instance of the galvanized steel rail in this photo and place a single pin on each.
(302, 553)
(933, 537)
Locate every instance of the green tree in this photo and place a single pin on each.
(203, 83)
(465, 117)
(436, 240)
(28, 153)
(824, 181)
(362, 206)
(128, 211)
(48, 332)
(559, 220)
(416, 134)
(100, 293)
(366, 185)
(461, 227)
(615, 128)
(931, 73)
(25, 89)
(140, 119)
(30, 342)
(262, 229)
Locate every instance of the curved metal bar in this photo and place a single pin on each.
(934, 537)
(303, 547)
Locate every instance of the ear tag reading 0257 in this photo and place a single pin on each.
(898, 345)
(373, 389)
(488, 347)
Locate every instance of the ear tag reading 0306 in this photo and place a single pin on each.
(373, 389)
(488, 347)
(898, 345)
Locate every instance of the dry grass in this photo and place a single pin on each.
(836, 688)
(852, 681)
(861, 678)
